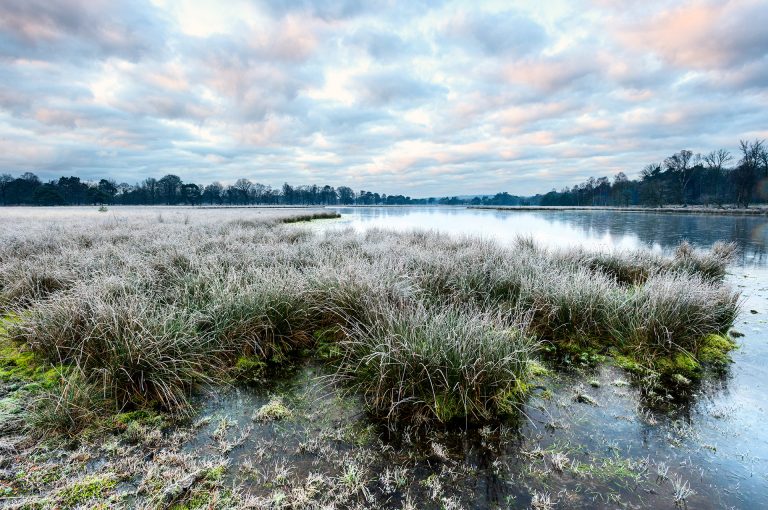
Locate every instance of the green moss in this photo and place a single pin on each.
(536, 369)
(143, 417)
(361, 435)
(546, 394)
(714, 350)
(91, 487)
(20, 365)
(508, 402)
(250, 369)
(681, 363)
(628, 363)
(216, 473)
(273, 410)
(207, 497)
(614, 469)
(578, 353)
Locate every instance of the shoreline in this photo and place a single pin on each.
(758, 211)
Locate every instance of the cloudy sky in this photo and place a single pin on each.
(415, 97)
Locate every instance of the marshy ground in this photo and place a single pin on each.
(220, 359)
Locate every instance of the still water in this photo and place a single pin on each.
(596, 229)
(720, 442)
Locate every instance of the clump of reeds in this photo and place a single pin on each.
(672, 313)
(137, 352)
(444, 363)
(267, 316)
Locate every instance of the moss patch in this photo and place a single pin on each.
(249, 369)
(273, 410)
(629, 364)
(681, 363)
(536, 369)
(20, 365)
(714, 351)
(89, 488)
(508, 402)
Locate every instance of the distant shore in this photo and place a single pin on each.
(752, 211)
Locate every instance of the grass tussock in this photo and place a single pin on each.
(139, 353)
(424, 327)
(445, 363)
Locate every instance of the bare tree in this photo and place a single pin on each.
(718, 159)
(680, 166)
(243, 189)
(746, 174)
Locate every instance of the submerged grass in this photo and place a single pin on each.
(423, 326)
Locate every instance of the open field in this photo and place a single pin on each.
(118, 326)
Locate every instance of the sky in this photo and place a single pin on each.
(422, 98)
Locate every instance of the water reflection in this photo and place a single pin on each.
(595, 229)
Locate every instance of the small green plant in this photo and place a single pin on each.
(273, 410)
(89, 488)
(249, 369)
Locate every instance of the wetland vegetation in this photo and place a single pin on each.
(368, 349)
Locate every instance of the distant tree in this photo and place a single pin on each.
(190, 194)
(242, 189)
(73, 190)
(716, 161)
(328, 195)
(652, 185)
(48, 194)
(346, 195)
(107, 191)
(5, 181)
(152, 189)
(123, 189)
(679, 165)
(169, 188)
(213, 193)
(622, 194)
(22, 189)
(288, 194)
(745, 175)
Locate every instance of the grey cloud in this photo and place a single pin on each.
(505, 33)
(385, 46)
(395, 88)
(79, 29)
(325, 9)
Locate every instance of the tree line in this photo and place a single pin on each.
(716, 178)
(683, 178)
(28, 189)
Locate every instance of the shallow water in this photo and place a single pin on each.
(717, 441)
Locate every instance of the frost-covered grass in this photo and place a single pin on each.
(143, 307)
